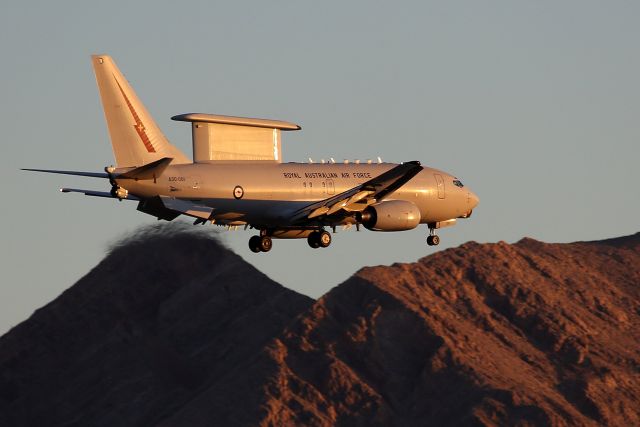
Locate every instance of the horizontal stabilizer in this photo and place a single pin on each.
(89, 174)
(148, 171)
(94, 193)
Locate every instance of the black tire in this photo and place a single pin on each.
(265, 243)
(435, 240)
(254, 244)
(430, 240)
(314, 240)
(324, 239)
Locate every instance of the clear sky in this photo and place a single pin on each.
(534, 105)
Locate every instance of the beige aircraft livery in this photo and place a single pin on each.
(237, 177)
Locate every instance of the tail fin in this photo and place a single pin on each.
(135, 137)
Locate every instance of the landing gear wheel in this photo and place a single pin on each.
(265, 243)
(314, 240)
(260, 244)
(254, 244)
(324, 239)
(433, 240)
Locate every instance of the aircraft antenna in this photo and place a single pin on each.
(379, 159)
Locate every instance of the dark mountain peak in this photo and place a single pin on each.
(164, 315)
(528, 242)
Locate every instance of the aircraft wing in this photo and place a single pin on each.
(361, 196)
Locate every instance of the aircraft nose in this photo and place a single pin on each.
(472, 199)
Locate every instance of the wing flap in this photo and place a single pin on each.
(317, 212)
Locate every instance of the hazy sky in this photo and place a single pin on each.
(534, 105)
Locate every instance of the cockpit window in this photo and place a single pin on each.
(457, 183)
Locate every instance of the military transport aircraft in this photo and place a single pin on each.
(237, 177)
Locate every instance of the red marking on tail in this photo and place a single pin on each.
(139, 126)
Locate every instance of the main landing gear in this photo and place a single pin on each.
(433, 239)
(262, 243)
(319, 239)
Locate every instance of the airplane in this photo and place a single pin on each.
(237, 177)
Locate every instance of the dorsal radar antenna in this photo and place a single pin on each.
(379, 159)
(310, 160)
(332, 160)
(322, 161)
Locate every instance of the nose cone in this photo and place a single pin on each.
(472, 199)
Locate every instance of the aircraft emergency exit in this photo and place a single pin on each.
(237, 177)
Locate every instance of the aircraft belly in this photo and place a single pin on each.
(253, 211)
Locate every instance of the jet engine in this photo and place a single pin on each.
(390, 215)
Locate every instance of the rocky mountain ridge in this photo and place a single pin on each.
(176, 330)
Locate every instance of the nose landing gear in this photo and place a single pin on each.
(433, 239)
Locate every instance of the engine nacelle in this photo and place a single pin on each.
(391, 215)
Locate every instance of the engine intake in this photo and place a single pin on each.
(391, 215)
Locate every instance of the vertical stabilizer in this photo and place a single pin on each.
(135, 137)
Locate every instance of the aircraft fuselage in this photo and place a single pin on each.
(256, 192)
